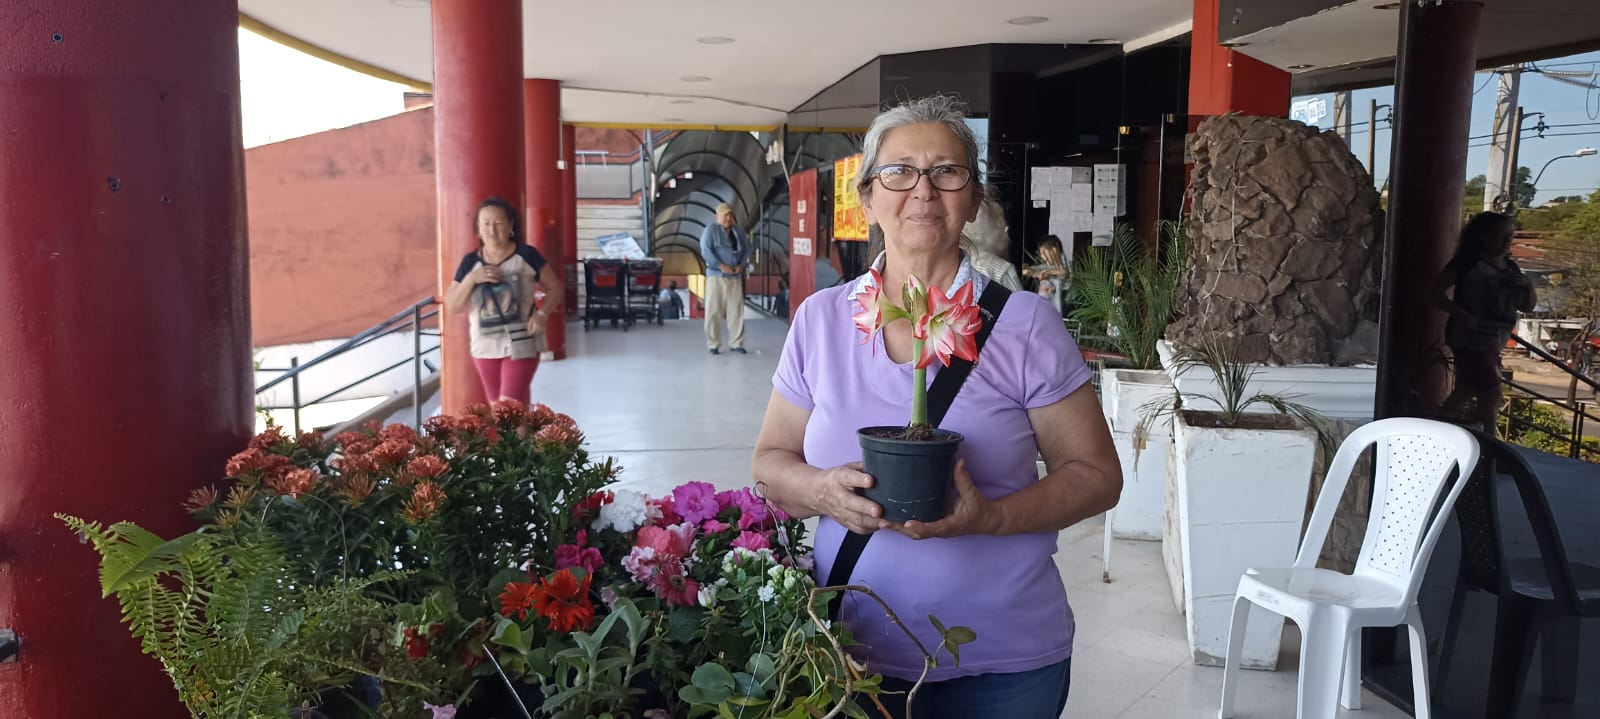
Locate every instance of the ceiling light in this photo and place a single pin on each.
(674, 119)
(1028, 20)
(1301, 66)
(715, 40)
(410, 3)
(695, 78)
(680, 102)
(1387, 6)
(1233, 43)
(1105, 41)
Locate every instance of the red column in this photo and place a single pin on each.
(477, 76)
(541, 113)
(125, 379)
(569, 210)
(1222, 80)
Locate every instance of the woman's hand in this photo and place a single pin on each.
(972, 513)
(484, 274)
(837, 498)
(536, 322)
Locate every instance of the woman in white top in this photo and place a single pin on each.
(496, 286)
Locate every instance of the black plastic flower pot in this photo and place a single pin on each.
(910, 477)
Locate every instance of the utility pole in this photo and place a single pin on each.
(1372, 137)
(1341, 115)
(1501, 177)
(1511, 166)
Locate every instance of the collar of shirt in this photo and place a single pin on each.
(964, 274)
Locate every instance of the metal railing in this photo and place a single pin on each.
(1573, 433)
(410, 319)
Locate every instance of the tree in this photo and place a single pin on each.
(1522, 192)
(1576, 248)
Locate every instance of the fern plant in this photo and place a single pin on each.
(1129, 292)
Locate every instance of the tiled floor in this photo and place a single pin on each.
(670, 412)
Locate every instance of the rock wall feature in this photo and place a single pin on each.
(1286, 238)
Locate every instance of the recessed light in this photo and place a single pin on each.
(1028, 20)
(715, 40)
(1105, 41)
(1387, 6)
(1301, 66)
(1233, 43)
(672, 119)
(695, 78)
(680, 102)
(410, 3)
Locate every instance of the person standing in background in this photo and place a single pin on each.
(726, 249)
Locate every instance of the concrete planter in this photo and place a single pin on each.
(1334, 392)
(1144, 470)
(1241, 503)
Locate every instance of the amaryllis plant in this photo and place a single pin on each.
(942, 326)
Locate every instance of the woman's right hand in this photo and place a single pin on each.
(837, 498)
(485, 274)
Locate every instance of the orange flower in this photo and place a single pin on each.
(246, 462)
(508, 413)
(268, 439)
(356, 488)
(428, 467)
(558, 435)
(294, 482)
(399, 433)
(424, 502)
(201, 500)
(351, 443)
(517, 599)
(356, 464)
(392, 452)
(564, 600)
(539, 416)
(309, 440)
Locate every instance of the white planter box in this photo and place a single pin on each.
(1144, 471)
(1334, 392)
(1241, 503)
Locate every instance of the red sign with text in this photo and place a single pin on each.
(802, 237)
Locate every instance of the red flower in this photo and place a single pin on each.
(416, 644)
(871, 299)
(356, 488)
(428, 467)
(356, 464)
(556, 435)
(294, 482)
(309, 440)
(949, 327)
(246, 462)
(392, 452)
(576, 555)
(424, 502)
(509, 413)
(564, 600)
(517, 599)
(398, 433)
(201, 500)
(439, 425)
(538, 416)
(586, 510)
(268, 439)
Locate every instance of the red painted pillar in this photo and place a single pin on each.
(569, 211)
(541, 113)
(1222, 80)
(125, 379)
(477, 128)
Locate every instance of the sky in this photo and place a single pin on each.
(288, 94)
(1572, 113)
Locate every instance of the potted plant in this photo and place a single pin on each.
(1241, 480)
(911, 466)
(1132, 294)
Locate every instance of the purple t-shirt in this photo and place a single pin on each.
(1007, 589)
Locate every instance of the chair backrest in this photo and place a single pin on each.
(1502, 462)
(1414, 461)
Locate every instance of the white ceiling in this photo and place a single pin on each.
(623, 61)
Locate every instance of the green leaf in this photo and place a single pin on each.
(938, 625)
(764, 669)
(960, 635)
(509, 634)
(747, 686)
(713, 676)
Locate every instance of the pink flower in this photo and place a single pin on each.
(695, 501)
(949, 328)
(447, 711)
(572, 555)
(663, 513)
(870, 319)
(727, 499)
(657, 561)
(752, 541)
(677, 539)
(713, 526)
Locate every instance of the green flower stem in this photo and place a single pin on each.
(919, 388)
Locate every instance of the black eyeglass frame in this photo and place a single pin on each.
(877, 174)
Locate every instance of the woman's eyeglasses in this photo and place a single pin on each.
(901, 178)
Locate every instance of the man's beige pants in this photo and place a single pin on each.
(724, 299)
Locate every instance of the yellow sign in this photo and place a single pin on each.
(849, 220)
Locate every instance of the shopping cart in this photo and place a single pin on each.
(605, 292)
(644, 290)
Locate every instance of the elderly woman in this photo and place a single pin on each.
(989, 564)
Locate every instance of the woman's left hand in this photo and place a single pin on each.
(972, 513)
(535, 322)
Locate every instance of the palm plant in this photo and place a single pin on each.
(1129, 292)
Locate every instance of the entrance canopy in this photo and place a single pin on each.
(734, 64)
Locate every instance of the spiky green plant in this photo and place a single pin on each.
(1234, 398)
(1129, 292)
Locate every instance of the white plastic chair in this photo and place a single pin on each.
(1413, 463)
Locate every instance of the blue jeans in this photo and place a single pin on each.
(1037, 694)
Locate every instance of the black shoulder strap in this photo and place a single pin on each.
(941, 394)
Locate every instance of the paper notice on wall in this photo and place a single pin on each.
(1082, 222)
(1060, 223)
(1080, 198)
(1039, 188)
(1102, 228)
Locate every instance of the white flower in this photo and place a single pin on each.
(708, 595)
(626, 512)
(805, 562)
(766, 593)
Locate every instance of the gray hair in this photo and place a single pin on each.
(945, 109)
